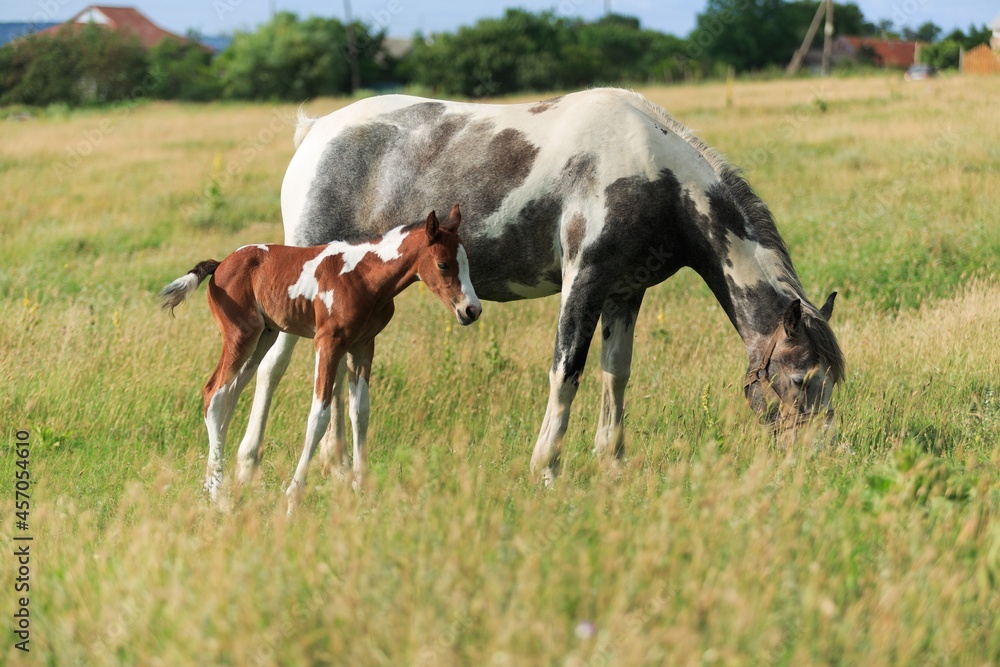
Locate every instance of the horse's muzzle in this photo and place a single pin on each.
(468, 315)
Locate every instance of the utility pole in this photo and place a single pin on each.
(352, 48)
(828, 38)
(274, 8)
(825, 7)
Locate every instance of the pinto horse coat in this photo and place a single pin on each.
(340, 295)
(596, 195)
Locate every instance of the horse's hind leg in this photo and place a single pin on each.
(617, 332)
(272, 367)
(583, 295)
(246, 461)
(223, 390)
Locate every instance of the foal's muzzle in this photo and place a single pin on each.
(468, 315)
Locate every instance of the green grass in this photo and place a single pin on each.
(710, 547)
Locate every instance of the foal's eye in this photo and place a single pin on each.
(798, 380)
(443, 266)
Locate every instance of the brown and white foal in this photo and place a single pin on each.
(341, 296)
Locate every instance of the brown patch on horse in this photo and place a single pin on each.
(576, 229)
(544, 105)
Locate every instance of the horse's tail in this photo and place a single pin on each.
(176, 292)
(304, 123)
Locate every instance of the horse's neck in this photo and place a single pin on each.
(389, 278)
(754, 284)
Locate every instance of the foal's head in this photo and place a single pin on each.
(443, 266)
(792, 386)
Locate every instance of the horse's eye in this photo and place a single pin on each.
(443, 266)
(798, 380)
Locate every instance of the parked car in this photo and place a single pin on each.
(919, 72)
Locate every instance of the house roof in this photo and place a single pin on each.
(888, 52)
(125, 19)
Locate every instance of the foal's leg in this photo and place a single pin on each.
(223, 390)
(329, 353)
(333, 446)
(272, 367)
(244, 472)
(582, 297)
(618, 331)
(359, 369)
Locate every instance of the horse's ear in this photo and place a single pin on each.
(827, 310)
(793, 317)
(454, 218)
(433, 227)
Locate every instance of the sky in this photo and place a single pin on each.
(402, 18)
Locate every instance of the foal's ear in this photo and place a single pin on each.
(454, 218)
(827, 310)
(433, 227)
(793, 316)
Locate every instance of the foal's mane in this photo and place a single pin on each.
(760, 221)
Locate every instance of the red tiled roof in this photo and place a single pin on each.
(888, 53)
(126, 19)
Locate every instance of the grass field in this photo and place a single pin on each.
(712, 547)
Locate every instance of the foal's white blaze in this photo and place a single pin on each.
(387, 249)
(750, 260)
(463, 274)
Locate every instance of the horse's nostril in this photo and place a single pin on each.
(472, 312)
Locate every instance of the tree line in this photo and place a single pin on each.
(289, 58)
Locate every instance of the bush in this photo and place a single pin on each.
(77, 65)
(181, 70)
(288, 59)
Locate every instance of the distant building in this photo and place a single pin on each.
(880, 52)
(11, 31)
(995, 27)
(127, 20)
(979, 60)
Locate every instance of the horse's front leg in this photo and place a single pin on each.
(359, 371)
(617, 333)
(329, 353)
(583, 294)
(333, 458)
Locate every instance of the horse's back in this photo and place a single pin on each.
(523, 174)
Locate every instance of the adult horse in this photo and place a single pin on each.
(597, 195)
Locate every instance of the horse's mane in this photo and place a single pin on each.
(759, 219)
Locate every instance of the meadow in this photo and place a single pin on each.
(711, 547)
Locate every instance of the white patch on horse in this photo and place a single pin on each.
(327, 298)
(752, 263)
(697, 195)
(387, 249)
(259, 246)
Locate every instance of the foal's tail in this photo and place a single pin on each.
(176, 292)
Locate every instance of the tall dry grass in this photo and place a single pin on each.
(711, 547)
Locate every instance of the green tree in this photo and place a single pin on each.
(294, 60)
(943, 54)
(77, 65)
(748, 34)
(926, 32)
(519, 51)
(181, 70)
